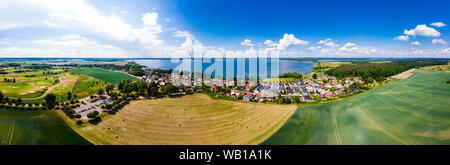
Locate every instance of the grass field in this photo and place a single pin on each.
(86, 86)
(36, 128)
(28, 84)
(411, 111)
(105, 75)
(192, 119)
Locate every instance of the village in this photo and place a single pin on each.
(289, 90)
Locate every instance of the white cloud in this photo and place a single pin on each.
(289, 40)
(438, 24)
(423, 30)
(74, 41)
(270, 43)
(415, 43)
(61, 52)
(328, 42)
(439, 41)
(4, 41)
(77, 15)
(179, 33)
(247, 42)
(314, 48)
(72, 46)
(402, 38)
(349, 46)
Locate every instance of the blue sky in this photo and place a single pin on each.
(165, 28)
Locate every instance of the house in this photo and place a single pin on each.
(302, 99)
(246, 98)
(328, 94)
(353, 90)
(308, 98)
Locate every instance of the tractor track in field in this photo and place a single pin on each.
(393, 136)
(336, 130)
(10, 134)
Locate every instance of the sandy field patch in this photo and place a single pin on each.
(404, 74)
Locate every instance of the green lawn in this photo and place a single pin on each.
(105, 75)
(411, 111)
(20, 127)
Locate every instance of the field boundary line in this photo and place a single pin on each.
(336, 129)
(5, 141)
(12, 133)
(399, 139)
(74, 82)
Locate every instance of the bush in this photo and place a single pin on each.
(92, 114)
(79, 122)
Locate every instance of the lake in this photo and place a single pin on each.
(265, 68)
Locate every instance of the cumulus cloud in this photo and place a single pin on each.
(4, 41)
(438, 24)
(179, 33)
(270, 43)
(247, 42)
(327, 42)
(314, 48)
(77, 15)
(349, 46)
(422, 30)
(289, 40)
(415, 43)
(439, 41)
(402, 38)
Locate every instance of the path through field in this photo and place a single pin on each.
(62, 82)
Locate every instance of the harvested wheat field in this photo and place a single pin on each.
(188, 120)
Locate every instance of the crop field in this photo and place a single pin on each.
(412, 111)
(192, 119)
(19, 127)
(438, 67)
(105, 75)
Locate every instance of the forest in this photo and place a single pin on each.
(378, 71)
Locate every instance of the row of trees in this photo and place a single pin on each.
(142, 88)
(13, 80)
(291, 75)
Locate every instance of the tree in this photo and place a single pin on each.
(170, 88)
(291, 75)
(100, 91)
(314, 76)
(1, 96)
(188, 91)
(109, 88)
(69, 95)
(50, 100)
(92, 114)
(19, 101)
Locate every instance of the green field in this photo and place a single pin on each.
(86, 86)
(19, 127)
(411, 111)
(28, 84)
(105, 75)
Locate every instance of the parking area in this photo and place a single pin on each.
(91, 106)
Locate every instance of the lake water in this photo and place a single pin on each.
(265, 68)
